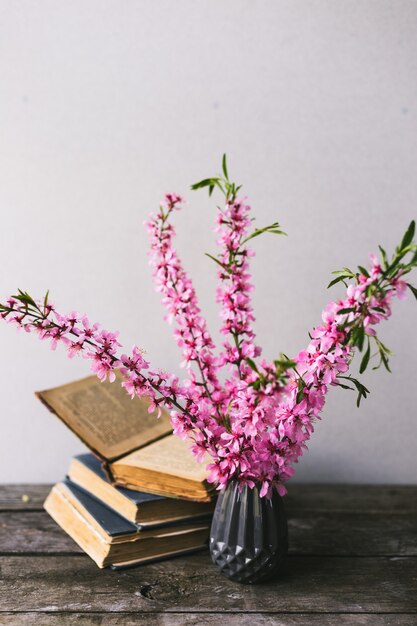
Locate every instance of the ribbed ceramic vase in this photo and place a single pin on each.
(248, 536)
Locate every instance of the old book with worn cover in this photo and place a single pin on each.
(144, 509)
(110, 539)
(138, 449)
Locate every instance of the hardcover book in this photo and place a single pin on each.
(110, 539)
(137, 449)
(142, 509)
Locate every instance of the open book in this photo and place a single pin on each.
(138, 450)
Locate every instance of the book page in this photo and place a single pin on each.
(104, 417)
(170, 455)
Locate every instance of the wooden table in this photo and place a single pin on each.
(353, 560)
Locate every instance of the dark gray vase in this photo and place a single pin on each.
(248, 536)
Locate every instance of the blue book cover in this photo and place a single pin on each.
(95, 465)
(111, 522)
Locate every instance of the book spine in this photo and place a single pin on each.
(106, 467)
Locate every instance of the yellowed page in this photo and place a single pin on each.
(104, 417)
(170, 455)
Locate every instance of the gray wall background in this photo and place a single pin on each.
(104, 106)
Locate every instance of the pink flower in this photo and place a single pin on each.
(265, 489)
(74, 348)
(108, 340)
(102, 366)
(134, 362)
(87, 332)
(400, 287)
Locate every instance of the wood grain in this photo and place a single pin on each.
(392, 499)
(23, 497)
(203, 619)
(380, 499)
(353, 560)
(192, 584)
(33, 532)
(333, 534)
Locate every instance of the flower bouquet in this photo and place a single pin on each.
(249, 416)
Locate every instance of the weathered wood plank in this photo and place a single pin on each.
(21, 497)
(202, 619)
(392, 499)
(344, 534)
(192, 584)
(33, 532)
(310, 534)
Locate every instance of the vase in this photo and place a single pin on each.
(248, 535)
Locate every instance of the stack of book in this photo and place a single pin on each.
(139, 495)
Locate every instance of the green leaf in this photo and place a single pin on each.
(213, 258)
(357, 337)
(210, 183)
(345, 387)
(347, 310)
(224, 167)
(300, 394)
(365, 359)
(382, 346)
(409, 234)
(413, 290)
(362, 390)
(384, 257)
(272, 228)
(206, 182)
(282, 366)
(413, 261)
(25, 298)
(345, 272)
(256, 384)
(360, 337)
(401, 253)
(363, 270)
(287, 363)
(45, 300)
(342, 275)
(385, 362)
(337, 280)
(252, 364)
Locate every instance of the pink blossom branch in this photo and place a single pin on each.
(234, 293)
(180, 299)
(266, 440)
(95, 344)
